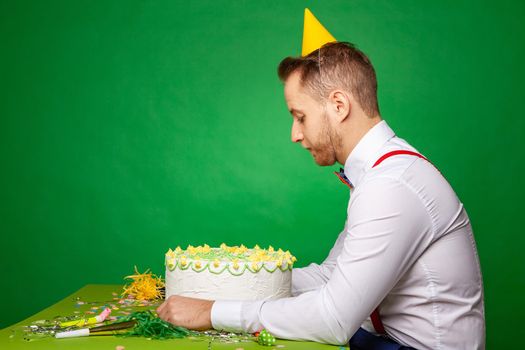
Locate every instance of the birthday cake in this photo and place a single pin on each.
(229, 273)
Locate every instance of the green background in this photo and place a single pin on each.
(130, 127)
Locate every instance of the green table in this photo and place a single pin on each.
(12, 337)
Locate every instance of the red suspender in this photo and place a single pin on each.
(376, 322)
(376, 319)
(395, 153)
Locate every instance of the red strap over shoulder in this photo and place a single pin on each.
(395, 153)
(375, 317)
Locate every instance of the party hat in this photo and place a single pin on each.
(315, 34)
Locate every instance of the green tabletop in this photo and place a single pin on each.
(92, 296)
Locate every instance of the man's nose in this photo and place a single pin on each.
(297, 134)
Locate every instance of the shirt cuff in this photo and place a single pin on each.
(226, 315)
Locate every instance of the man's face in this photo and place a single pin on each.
(310, 122)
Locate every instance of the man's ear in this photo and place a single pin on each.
(341, 104)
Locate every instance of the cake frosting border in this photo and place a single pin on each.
(177, 259)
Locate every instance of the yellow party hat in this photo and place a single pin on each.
(315, 34)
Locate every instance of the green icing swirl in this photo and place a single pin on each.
(236, 272)
(229, 257)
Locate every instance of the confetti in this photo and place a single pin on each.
(125, 307)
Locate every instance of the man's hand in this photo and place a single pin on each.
(187, 312)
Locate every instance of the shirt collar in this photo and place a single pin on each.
(366, 151)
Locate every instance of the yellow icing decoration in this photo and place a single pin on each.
(235, 264)
(201, 257)
(191, 250)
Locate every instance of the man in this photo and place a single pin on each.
(406, 255)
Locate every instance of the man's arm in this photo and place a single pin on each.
(388, 229)
(315, 276)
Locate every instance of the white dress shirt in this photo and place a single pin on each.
(407, 246)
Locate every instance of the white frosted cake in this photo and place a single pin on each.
(229, 273)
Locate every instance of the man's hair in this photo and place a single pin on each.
(335, 65)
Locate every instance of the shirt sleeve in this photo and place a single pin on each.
(388, 229)
(315, 276)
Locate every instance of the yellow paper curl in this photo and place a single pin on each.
(145, 286)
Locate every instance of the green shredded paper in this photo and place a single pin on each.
(150, 326)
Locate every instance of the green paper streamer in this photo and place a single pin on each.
(150, 326)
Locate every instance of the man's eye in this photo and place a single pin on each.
(300, 119)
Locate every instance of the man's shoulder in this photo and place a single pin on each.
(403, 163)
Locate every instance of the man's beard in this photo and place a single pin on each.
(325, 149)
